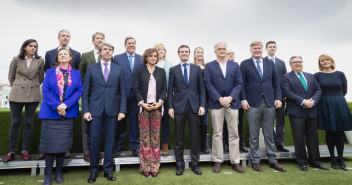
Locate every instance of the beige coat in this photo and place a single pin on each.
(26, 81)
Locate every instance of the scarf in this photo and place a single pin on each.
(60, 81)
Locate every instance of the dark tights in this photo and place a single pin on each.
(335, 138)
(49, 162)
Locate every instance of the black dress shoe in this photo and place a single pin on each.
(196, 170)
(92, 178)
(243, 149)
(135, 152)
(280, 148)
(204, 151)
(117, 153)
(67, 154)
(226, 148)
(303, 168)
(320, 166)
(179, 170)
(40, 156)
(110, 176)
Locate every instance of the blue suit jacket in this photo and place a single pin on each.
(254, 87)
(219, 86)
(293, 90)
(178, 91)
(52, 98)
(50, 58)
(99, 95)
(123, 62)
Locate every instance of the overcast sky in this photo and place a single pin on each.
(300, 27)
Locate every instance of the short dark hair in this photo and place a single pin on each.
(106, 44)
(22, 53)
(148, 52)
(269, 42)
(183, 46)
(57, 56)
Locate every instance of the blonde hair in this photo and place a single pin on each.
(256, 43)
(159, 46)
(194, 61)
(326, 57)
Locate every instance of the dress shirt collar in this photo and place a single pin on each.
(255, 60)
(188, 64)
(61, 47)
(133, 55)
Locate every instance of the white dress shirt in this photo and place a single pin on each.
(223, 67)
(103, 66)
(260, 64)
(96, 55)
(188, 69)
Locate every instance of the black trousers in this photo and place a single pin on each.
(279, 132)
(194, 124)
(305, 128)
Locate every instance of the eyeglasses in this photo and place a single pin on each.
(296, 62)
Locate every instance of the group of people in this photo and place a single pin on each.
(148, 90)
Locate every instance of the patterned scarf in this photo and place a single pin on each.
(60, 81)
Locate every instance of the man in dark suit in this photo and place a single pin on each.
(64, 38)
(302, 92)
(87, 59)
(186, 102)
(129, 61)
(104, 102)
(280, 67)
(260, 95)
(223, 81)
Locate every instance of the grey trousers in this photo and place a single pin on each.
(261, 116)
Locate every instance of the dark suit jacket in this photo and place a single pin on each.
(86, 60)
(219, 86)
(123, 62)
(52, 97)
(293, 90)
(98, 95)
(50, 58)
(178, 91)
(141, 83)
(280, 67)
(254, 87)
(25, 82)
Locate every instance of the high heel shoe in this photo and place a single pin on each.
(334, 164)
(342, 164)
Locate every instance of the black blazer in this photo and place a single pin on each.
(179, 91)
(141, 83)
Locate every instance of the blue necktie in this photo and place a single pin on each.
(259, 69)
(185, 74)
(130, 59)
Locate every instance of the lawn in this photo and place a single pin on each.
(130, 175)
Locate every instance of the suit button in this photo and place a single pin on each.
(24, 79)
(22, 87)
(31, 87)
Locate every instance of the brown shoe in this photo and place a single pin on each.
(277, 166)
(217, 167)
(257, 167)
(25, 156)
(40, 156)
(86, 157)
(238, 168)
(9, 157)
(165, 151)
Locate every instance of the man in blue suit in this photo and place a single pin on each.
(186, 102)
(260, 95)
(303, 92)
(64, 38)
(223, 81)
(104, 101)
(129, 61)
(280, 67)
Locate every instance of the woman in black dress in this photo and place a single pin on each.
(62, 88)
(334, 114)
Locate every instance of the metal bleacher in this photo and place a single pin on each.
(127, 159)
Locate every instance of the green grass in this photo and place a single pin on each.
(130, 175)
